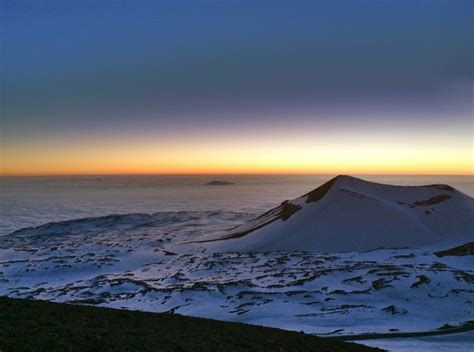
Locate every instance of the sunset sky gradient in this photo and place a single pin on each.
(233, 86)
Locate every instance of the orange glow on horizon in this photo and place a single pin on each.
(239, 163)
(274, 153)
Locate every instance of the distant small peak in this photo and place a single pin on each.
(219, 183)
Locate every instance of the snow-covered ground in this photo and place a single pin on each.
(153, 263)
(136, 262)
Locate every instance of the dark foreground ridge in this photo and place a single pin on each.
(27, 325)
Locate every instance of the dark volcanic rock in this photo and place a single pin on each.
(465, 249)
(422, 280)
(394, 310)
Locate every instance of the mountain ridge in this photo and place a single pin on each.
(332, 216)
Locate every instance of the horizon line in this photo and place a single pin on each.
(227, 173)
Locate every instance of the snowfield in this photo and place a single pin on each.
(164, 263)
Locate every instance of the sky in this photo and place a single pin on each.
(229, 86)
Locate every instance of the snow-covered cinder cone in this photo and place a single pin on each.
(350, 214)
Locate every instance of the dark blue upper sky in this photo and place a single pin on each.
(76, 66)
